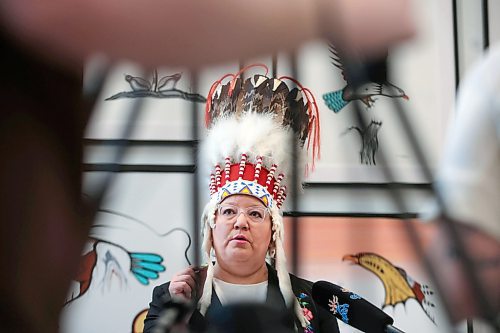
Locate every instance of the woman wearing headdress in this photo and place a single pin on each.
(248, 150)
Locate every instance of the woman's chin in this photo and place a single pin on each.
(241, 254)
(238, 252)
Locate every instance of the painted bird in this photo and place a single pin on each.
(399, 286)
(157, 84)
(337, 100)
(138, 83)
(107, 262)
(162, 82)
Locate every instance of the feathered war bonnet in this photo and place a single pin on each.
(248, 151)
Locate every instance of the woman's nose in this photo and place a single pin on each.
(241, 221)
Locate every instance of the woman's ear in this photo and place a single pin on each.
(271, 250)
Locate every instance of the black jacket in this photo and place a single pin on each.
(273, 312)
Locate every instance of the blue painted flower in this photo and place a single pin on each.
(343, 309)
(354, 296)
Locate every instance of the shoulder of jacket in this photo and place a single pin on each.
(300, 283)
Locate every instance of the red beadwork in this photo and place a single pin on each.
(258, 167)
(242, 165)
(271, 174)
(248, 171)
(277, 184)
(227, 166)
(217, 175)
(212, 184)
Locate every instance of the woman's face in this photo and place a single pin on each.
(240, 233)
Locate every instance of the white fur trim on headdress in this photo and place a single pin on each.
(253, 134)
(208, 223)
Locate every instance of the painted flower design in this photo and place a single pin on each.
(307, 313)
(302, 298)
(333, 303)
(308, 329)
(341, 309)
(354, 296)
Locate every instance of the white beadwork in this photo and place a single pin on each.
(258, 166)
(243, 162)
(227, 167)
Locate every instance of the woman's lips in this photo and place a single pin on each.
(240, 239)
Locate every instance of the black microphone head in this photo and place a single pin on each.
(351, 308)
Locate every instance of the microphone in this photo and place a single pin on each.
(352, 309)
(173, 317)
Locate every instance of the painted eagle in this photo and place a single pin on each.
(398, 285)
(337, 100)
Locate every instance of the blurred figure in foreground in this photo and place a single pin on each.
(175, 33)
(469, 183)
(44, 44)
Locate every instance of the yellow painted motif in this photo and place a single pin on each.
(225, 194)
(138, 323)
(245, 190)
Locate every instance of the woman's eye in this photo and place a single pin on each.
(228, 211)
(255, 213)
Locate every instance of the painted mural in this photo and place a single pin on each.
(157, 87)
(372, 258)
(367, 94)
(113, 287)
